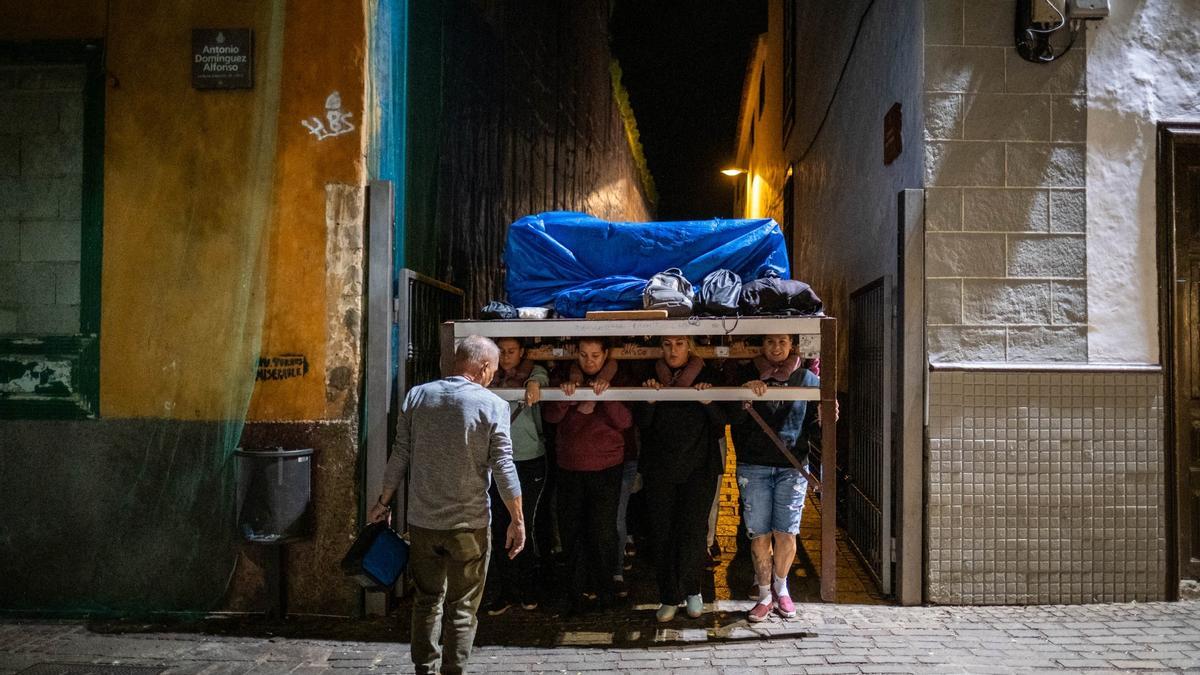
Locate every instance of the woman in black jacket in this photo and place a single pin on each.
(680, 460)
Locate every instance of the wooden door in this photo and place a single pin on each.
(1180, 287)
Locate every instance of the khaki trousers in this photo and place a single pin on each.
(448, 569)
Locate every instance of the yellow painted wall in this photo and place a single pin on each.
(185, 257)
(325, 50)
(761, 187)
(62, 20)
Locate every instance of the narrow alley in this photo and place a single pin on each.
(756, 336)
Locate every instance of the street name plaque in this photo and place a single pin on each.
(222, 58)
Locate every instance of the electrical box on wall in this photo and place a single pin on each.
(1088, 9)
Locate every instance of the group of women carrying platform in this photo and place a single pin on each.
(600, 448)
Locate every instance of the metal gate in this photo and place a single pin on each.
(869, 460)
(422, 306)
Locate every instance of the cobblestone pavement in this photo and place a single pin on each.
(860, 634)
(733, 575)
(1152, 637)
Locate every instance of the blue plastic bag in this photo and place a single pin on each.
(579, 263)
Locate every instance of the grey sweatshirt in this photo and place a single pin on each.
(454, 434)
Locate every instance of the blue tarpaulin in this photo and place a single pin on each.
(578, 263)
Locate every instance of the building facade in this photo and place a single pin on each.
(1040, 462)
(183, 264)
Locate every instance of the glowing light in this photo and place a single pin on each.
(733, 172)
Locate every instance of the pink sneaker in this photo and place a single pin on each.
(785, 607)
(759, 612)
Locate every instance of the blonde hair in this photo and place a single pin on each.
(691, 342)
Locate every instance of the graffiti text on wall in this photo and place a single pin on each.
(336, 122)
(282, 367)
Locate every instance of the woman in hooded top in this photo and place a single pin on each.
(680, 461)
(515, 581)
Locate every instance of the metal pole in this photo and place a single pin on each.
(911, 389)
(378, 356)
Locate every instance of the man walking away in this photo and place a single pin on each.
(450, 436)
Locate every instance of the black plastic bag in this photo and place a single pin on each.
(720, 292)
(497, 309)
(772, 295)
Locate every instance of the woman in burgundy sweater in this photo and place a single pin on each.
(591, 452)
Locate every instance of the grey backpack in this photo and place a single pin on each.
(671, 291)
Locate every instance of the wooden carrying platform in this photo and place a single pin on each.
(548, 339)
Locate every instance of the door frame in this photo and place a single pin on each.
(888, 394)
(909, 404)
(82, 349)
(1170, 134)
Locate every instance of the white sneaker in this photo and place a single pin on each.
(695, 606)
(665, 613)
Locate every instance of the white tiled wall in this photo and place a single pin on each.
(1045, 488)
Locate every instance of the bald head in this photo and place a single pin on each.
(476, 357)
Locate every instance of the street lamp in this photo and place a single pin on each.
(734, 172)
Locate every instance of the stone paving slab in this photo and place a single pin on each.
(824, 639)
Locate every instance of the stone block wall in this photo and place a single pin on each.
(1045, 487)
(1045, 475)
(1005, 202)
(41, 166)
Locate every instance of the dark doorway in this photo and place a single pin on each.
(1179, 306)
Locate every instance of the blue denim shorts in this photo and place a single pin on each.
(772, 498)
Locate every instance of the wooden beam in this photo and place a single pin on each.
(669, 394)
(811, 334)
(829, 465)
(531, 328)
(739, 350)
